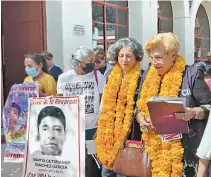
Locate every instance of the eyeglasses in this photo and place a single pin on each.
(157, 58)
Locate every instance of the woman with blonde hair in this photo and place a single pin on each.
(169, 76)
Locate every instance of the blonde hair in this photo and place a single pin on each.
(169, 40)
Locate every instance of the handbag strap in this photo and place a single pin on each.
(133, 128)
(123, 145)
(95, 74)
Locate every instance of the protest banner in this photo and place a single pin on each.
(55, 144)
(15, 119)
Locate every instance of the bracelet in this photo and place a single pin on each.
(195, 115)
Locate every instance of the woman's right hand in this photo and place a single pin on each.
(144, 123)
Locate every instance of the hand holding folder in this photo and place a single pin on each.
(162, 112)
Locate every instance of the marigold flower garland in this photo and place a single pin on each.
(166, 157)
(117, 112)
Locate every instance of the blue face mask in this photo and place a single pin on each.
(32, 72)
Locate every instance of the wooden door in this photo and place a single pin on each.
(24, 26)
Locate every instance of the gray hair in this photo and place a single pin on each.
(135, 46)
(80, 54)
(111, 52)
(205, 67)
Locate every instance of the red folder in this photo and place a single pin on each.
(162, 115)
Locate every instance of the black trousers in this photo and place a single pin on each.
(93, 169)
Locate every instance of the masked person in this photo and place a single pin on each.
(53, 70)
(36, 69)
(81, 80)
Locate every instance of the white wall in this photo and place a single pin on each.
(143, 22)
(182, 27)
(54, 30)
(61, 16)
(135, 20)
(75, 13)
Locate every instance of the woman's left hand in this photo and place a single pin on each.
(187, 115)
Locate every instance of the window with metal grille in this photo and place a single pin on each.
(165, 17)
(110, 22)
(202, 33)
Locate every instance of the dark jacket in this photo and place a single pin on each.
(196, 92)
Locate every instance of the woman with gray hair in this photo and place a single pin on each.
(118, 102)
(81, 81)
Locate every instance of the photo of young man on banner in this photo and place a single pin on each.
(15, 119)
(55, 140)
(51, 127)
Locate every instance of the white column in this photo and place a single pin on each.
(54, 30)
(135, 20)
(75, 13)
(61, 17)
(143, 22)
(183, 28)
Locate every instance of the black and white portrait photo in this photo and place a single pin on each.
(55, 137)
(51, 127)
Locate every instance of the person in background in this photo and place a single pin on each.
(53, 70)
(206, 68)
(207, 74)
(37, 71)
(81, 81)
(100, 62)
(110, 55)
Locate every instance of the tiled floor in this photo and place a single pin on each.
(10, 169)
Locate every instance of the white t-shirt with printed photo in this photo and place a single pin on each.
(72, 84)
